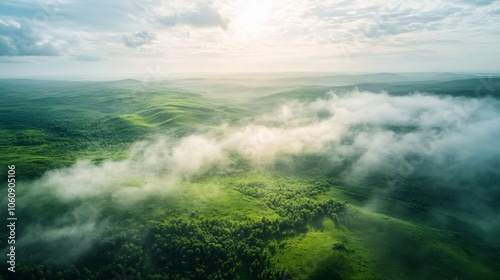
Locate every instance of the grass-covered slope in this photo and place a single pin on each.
(45, 125)
(255, 226)
(218, 200)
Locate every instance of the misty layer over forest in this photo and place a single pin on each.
(379, 176)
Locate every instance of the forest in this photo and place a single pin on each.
(328, 177)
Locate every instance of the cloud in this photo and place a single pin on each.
(400, 20)
(86, 57)
(67, 236)
(476, 2)
(99, 17)
(292, 32)
(203, 15)
(19, 38)
(24, 9)
(451, 141)
(368, 130)
(139, 39)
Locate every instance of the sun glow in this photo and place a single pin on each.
(253, 13)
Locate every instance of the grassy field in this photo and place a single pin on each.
(99, 195)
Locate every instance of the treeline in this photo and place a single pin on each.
(295, 205)
(199, 248)
(211, 249)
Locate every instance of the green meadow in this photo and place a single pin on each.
(98, 196)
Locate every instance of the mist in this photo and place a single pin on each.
(448, 141)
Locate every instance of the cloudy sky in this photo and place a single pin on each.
(134, 37)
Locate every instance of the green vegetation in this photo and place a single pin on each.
(49, 125)
(293, 218)
(197, 247)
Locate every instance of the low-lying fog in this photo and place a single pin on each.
(451, 141)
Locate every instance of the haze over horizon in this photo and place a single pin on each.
(127, 38)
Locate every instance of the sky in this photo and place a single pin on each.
(142, 38)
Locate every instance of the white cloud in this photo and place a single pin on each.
(201, 15)
(139, 39)
(18, 38)
(358, 134)
(370, 120)
(345, 35)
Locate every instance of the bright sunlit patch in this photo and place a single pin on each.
(252, 13)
